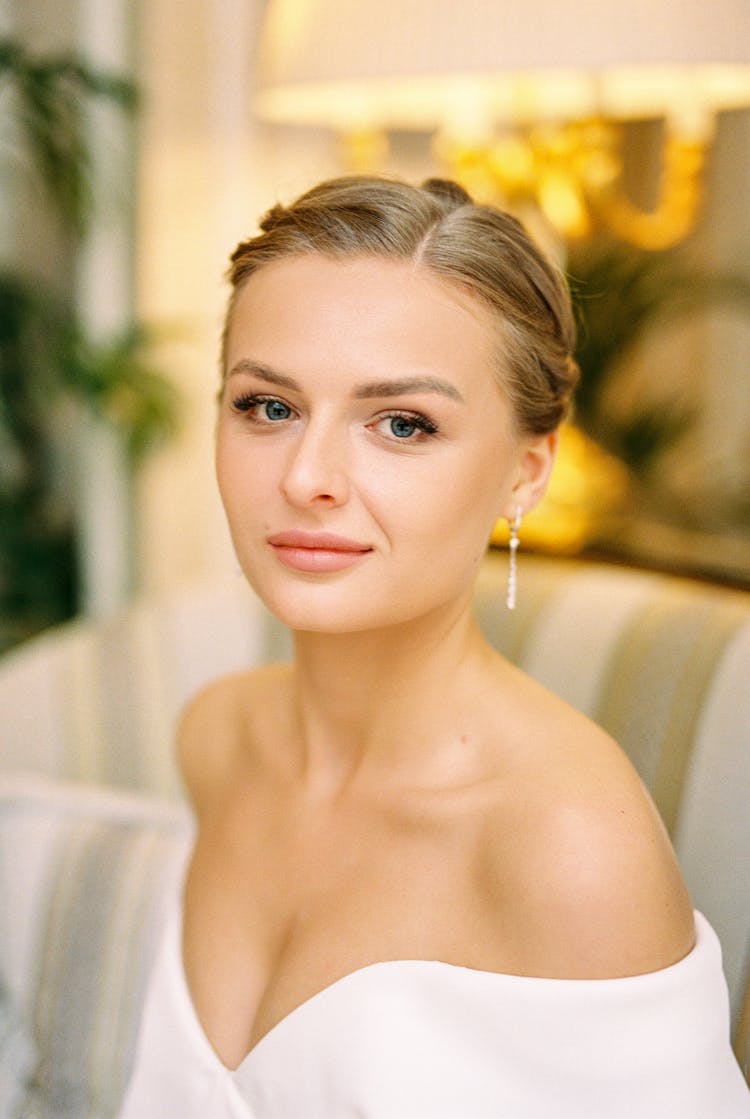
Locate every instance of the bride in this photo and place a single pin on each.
(422, 885)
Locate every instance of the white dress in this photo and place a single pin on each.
(416, 1039)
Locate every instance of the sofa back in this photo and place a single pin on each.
(97, 701)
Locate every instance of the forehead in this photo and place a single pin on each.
(362, 310)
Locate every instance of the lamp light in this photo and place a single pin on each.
(524, 97)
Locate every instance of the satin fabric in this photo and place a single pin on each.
(414, 1038)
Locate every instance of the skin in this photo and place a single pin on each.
(400, 791)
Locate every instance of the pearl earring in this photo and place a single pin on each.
(514, 526)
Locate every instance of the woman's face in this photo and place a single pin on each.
(364, 447)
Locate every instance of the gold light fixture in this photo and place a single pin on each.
(526, 99)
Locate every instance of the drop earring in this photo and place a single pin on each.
(514, 526)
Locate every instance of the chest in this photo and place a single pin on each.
(277, 909)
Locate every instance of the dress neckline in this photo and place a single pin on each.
(364, 973)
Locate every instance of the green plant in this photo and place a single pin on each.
(48, 360)
(622, 294)
(50, 95)
(119, 383)
(37, 544)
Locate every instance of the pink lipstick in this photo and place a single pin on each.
(316, 552)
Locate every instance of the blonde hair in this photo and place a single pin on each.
(482, 249)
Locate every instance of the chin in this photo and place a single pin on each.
(356, 613)
(311, 613)
(310, 605)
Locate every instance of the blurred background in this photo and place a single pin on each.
(140, 142)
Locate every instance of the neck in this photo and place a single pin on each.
(390, 701)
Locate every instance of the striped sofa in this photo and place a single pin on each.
(94, 834)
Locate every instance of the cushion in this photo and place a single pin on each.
(16, 1056)
(86, 876)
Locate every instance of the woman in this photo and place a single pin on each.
(422, 885)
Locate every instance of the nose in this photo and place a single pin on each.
(316, 472)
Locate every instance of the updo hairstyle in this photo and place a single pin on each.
(482, 250)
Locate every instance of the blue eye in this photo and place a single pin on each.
(407, 427)
(402, 427)
(276, 410)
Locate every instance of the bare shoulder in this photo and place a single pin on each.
(218, 731)
(602, 893)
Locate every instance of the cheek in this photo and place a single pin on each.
(242, 477)
(446, 504)
(478, 478)
(228, 473)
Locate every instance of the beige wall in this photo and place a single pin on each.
(206, 172)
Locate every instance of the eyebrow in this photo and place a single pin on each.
(370, 391)
(407, 385)
(255, 369)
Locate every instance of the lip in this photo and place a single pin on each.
(328, 541)
(317, 551)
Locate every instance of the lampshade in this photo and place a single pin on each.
(427, 64)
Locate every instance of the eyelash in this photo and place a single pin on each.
(246, 402)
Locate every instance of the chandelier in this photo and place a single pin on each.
(527, 101)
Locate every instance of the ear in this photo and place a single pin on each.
(536, 459)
